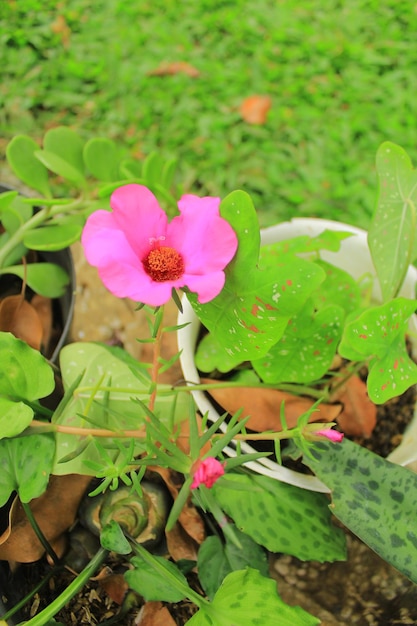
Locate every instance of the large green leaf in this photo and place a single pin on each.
(281, 517)
(375, 499)
(25, 466)
(101, 158)
(67, 144)
(24, 373)
(47, 279)
(306, 350)
(20, 153)
(379, 334)
(251, 312)
(392, 234)
(103, 399)
(246, 598)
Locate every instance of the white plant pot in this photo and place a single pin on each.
(353, 257)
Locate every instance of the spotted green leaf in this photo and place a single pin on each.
(281, 517)
(306, 350)
(392, 234)
(246, 598)
(378, 334)
(113, 539)
(14, 417)
(217, 558)
(156, 579)
(251, 312)
(374, 498)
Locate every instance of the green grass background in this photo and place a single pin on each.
(342, 78)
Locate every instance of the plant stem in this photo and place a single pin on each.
(73, 588)
(155, 362)
(84, 432)
(38, 532)
(30, 595)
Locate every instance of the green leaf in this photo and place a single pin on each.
(338, 288)
(47, 279)
(14, 417)
(25, 374)
(379, 334)
(20, 153)
(306, 349)
(104, 393)
(392, 234)
(67, 144)
(217, 559)
(113, 539)
(249, 316)
(101, 158)
(374, 498)
(281, 517)
(25, 466)
(327, 240)
(246, 598)
(154, 583)
(6, 199)
(54, 237)
(60, 166)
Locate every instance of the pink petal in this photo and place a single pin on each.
(207, 286)
(138, 214)
(207, 473)
(206, 241)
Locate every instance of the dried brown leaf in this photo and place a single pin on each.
(175, 67)
(155, 614)
(115, 586)
(254, 109)
(264, 406)
(180, 544)
(17, 316)
(43, 307)
(359, 414)
(54, 511)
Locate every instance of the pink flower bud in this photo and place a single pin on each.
(208, 472)
(332, 435)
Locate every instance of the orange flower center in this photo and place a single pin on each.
(164, 263)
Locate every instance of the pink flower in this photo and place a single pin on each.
(208, 472)
(331, 434)
(139, 255)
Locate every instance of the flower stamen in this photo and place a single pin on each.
(164, 263)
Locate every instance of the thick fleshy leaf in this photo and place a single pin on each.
(101, 158)
(20, 153)
(25, 466)
(246, 598)
(307, 348)
(60, 166)
(54, 237)
(379, 334)
(47, 279)
(392, 234)
(249, 316)
(67, 144)
(14, 417)
(281, 517)
(25, 374)
(374, 498)
(216, 559)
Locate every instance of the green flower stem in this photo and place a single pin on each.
(183, 588)
(209, 503)
(38, 532)
(37, 426)
(36, 220)
(73, 588)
